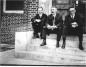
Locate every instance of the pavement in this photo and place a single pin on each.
(47, 55)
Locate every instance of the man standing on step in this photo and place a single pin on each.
(73, 25)
(53, 25)
(38, 22)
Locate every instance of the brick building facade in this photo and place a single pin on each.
(11, 23)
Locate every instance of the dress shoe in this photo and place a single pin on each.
(43, 43)
(36, 35)
(57, 45)
(63, 46)
(80, 47)
(41, 37)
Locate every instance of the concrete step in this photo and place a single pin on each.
(52, 56)
(49, 53)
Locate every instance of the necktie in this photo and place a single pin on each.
(72, 16)
(54, 21)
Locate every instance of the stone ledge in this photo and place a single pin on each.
(58, 59)
(22, 40)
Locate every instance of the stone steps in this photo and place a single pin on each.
(52, 56)
(49, 53)
(68, 50)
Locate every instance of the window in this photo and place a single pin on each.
(13, 6)
(61, 4)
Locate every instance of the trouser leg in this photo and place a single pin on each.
(36, 29)
(80, 36)
(44, 37)
(36, 32)
(64, 37)
(42, 33)
(59, 33)
(80, 41)
(64, 41)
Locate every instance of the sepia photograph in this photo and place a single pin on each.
(43, 33)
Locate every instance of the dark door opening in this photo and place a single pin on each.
(81, 10)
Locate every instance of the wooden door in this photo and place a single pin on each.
(81, 10)
(85, 20)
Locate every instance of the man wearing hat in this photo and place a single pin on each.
(73, 25)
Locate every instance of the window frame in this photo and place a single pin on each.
(11, 11)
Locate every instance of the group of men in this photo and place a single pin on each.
(44, 25)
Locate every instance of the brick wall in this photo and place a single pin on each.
(12, 23)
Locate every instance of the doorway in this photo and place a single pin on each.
(81, 10)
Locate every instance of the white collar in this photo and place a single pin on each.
(73, 15)
(40, 15)
(54, 15)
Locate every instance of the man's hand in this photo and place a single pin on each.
(74, 24)
(37, 20)
(54, 27)
(51, 27)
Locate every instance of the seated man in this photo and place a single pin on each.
(53, 25)
(38, 22)
(73, 25)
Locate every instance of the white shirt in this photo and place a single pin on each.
(72, 16)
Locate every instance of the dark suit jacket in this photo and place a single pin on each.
(69, 20)
(58, 20)
(68, 26)
(43, 19)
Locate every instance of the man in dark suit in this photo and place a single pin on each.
(53, 25)
(38, 22)
(73, 25)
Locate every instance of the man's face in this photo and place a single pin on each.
(53, 11)
(72, 11)
(40, 10)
